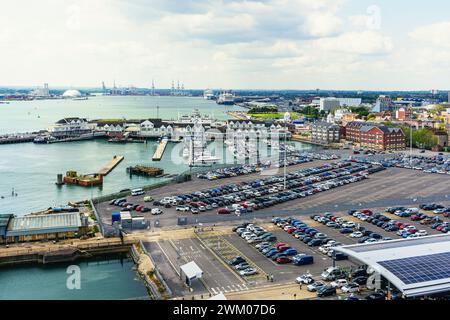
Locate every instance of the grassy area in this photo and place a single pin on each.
(273, 115)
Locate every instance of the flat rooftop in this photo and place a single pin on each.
(416, 266)
(39, 224)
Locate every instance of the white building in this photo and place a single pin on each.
(350, 102)
(327, 104)
(340, 113)
(153, 129)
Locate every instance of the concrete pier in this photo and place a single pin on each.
(160, 150)
(110, 165)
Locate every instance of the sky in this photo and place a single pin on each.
(227, 44)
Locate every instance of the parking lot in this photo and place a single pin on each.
(394, 186)
(170, 255)
(169, 217)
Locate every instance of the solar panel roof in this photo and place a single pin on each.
(420, 269)
(417, 266)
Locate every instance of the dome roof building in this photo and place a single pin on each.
(71, 93)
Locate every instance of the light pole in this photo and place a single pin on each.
(410, 146)
(285, 155)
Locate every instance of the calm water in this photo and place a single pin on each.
(111, 279)
(27, 116)
(31, 169)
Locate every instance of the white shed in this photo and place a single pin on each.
(190, 271)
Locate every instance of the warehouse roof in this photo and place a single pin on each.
(38, 224)
(415, 266)
(4, 219)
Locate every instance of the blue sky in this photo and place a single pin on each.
(259, 44)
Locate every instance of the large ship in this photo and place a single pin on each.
(226, 98)
(208, 94)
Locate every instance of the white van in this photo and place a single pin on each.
(137, 192)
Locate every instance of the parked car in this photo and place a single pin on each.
(313, 287)
(350, 288)
(305, 279)
(156, 211)
(326, 291)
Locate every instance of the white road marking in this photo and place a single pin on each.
(214, 291)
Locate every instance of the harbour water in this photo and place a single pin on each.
(27, 116)
(31, 169)
(111, 278)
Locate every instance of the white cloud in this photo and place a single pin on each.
(210, 43)
(363, 43)
(437, 34)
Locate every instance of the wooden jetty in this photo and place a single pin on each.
(110, 165)
(160, 150)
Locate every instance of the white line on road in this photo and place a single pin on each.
(214, 291)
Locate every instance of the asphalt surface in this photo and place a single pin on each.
(392, 187)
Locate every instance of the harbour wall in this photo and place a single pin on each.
(61, 253)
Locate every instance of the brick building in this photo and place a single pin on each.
(375, 136)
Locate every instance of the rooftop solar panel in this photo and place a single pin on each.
(420, 269)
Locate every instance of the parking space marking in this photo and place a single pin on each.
(214, 291)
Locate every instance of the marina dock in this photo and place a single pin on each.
(110, 165)
(17, 138)
(160, 150)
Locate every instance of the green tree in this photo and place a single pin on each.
(421, 138)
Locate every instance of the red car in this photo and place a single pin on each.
(291, 230)
(367, 211)
(283, 260)
(280, 244)
(442, 226)
(412, 231)
(283, 248)
(139, 208)
(223, 211)
(403, 225)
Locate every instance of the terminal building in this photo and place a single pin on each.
(413, 268)
(41, 227)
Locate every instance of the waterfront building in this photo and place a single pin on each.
(71, 127)
(155, 128)
(4, 221)
(45, 227)
(375, 136)
(243, 129)
(71, 94)
(325, 133)
(43, 92)
(328, 104)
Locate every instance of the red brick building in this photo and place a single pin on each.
(375, 136)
